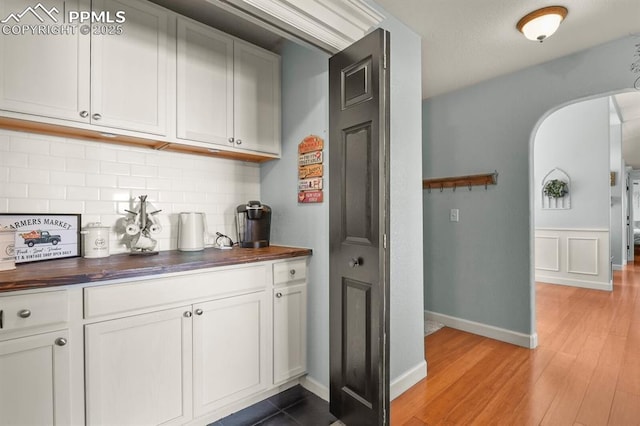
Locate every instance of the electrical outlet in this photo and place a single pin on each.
(454, 215)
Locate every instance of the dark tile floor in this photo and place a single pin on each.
(295, 406)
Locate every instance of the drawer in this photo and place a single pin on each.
(289, 271)
(34, 310)
(118, 298)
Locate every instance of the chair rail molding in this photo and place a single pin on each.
(329, 24)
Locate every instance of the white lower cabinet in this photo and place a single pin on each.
(230, 350)
(34, 380)
(289, 332)
(138, 369)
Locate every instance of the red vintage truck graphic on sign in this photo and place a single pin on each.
(32, 238)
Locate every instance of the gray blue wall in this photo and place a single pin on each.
(304, 103)
(305, 91)
(480, 269)
(618, 191)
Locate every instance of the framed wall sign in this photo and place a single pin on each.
(41, 236)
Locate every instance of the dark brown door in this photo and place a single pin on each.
(358, 219)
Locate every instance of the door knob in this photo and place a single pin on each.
(25, 313)
(61, 341)
(96, 116)
(231, 140)
(199, 311)
(278, 295)
(188, 314)
(239, 142)
(84, 114)
(354, 263)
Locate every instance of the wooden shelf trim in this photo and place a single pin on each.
(98, 136)
(461, 181)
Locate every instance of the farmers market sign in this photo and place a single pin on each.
(44, 236)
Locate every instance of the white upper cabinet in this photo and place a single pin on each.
(228, 90)
(256, 91)
(205, 84)
(43, 75)
(129, 71)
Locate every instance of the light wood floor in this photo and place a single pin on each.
(585, 371)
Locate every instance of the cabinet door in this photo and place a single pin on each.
(230, 350)
(138, 369)
(34, 378)
(289, 332)
(256, 98)
(45, 75)
(129, 71)
(205, 84)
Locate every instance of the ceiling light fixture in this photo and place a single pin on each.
(542, 23)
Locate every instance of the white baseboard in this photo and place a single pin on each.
(397, 386)
(593, 285)
(509, 336)
(315, 387)
(617, 267)
(409, 378)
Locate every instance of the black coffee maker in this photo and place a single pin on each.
(253, 221)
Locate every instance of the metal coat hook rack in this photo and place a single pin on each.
(461, 181)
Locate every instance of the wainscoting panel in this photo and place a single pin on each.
(574, 257)
(548, 253)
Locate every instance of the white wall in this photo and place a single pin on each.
(480, 269)
(45, 174)
(618, 191)
(575, 139)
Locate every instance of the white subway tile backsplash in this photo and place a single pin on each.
(14, 159)
(131, 157)
(100, 181)
(144, 171)
(64, 206)
(132, 182)
(110, 168)
(14, 190)
(37, 161)
(82, 165)
(67, 178)
(98, 152)
(67, 149)
(51, 192)
(83, 193)
(28, 205)
(20, 175)
(28, 145)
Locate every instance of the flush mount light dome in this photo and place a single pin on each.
(541, 23)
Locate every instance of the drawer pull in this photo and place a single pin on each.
(278, 295)
(1, 314)
(25, 313)
(199, 311)
(292, 272)
(61, 341)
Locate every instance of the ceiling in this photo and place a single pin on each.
(468, 41)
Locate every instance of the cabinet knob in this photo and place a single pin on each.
(292, 272)
(84, 114)
(61, 341)
(278, 295)
(231, 140)
(25, 313)
(199, 311)
(96, 116)
(239, 142)
(188, 314)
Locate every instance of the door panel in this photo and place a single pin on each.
(359, 288)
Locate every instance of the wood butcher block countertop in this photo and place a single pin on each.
(79, 270)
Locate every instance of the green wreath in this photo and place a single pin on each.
(555, 188)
